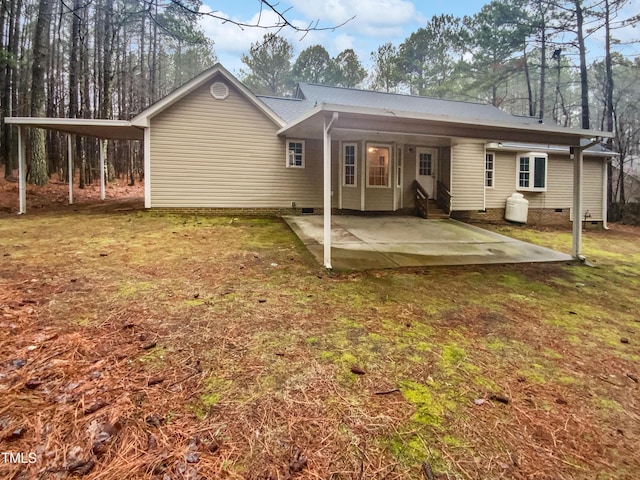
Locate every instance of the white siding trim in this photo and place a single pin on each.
(363, 167)
(147, 167)
(286, 152)
(343, 165)
(605, 203)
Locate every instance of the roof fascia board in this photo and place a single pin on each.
(92, 127)
(378, 112)
(143, 118)
(97, 122)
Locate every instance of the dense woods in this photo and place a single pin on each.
(92, 59)
(112, 58)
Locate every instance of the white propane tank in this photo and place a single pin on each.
(517, 208)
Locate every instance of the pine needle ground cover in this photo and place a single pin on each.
(140, 345)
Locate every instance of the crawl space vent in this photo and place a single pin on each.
(219, 91)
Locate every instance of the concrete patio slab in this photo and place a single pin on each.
(361, 243)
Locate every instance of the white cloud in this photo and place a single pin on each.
(374, 18)
(342, 42)
(228, 36)
(375, 22)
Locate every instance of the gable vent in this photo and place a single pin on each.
(219, 90)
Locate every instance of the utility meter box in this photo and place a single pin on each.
(517, 208)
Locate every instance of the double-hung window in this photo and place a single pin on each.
(378, 166)
(532, 172)
(295, 153)
(489, 168)
(349, 155)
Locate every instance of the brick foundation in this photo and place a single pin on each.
(536, 216)
(231, 212)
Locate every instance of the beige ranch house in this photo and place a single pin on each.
(214, 145)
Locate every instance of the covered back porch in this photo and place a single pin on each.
(402, 153)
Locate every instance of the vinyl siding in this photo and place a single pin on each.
(409, 175)
(559, 192)
(467, 184)
(225, 153)
(592, 188)
(378, 199)
(445, 166)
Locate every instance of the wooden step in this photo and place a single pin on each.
(435, 212)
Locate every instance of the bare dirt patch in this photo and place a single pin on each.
(55, 195)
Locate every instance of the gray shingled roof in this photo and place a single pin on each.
(406, 103)
(287, 108)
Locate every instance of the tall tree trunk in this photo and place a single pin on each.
(74, 75)
(107, 57)
(154, 55)
(39, 174)
(527, 77)
(543, 65)
(5, 13)
(10, 80)
(584, 81)
(85, 94)
(144, 93)
(608, 96)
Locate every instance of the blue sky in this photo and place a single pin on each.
(375, 22)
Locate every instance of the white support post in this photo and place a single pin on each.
(327, 194)
(103, 146)
(577, 202)
(22, 173)
(70, 166)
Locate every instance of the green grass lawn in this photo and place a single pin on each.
(213, 346)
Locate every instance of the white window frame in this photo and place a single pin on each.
(426, 151)
(288, 153)
(389, 147)
(534, 158)
(355, 165)
(492, 170)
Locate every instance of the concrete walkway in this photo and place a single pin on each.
(361, 243)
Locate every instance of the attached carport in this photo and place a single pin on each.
(97, 128)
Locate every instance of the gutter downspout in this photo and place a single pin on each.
(326, 133)
(578, 164)
(147, 167)
(605, 196)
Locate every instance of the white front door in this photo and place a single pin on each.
(426, 161)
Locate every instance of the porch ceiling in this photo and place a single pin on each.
(390, 137)
(386, 122)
